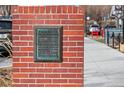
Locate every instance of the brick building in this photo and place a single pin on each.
(68, 72)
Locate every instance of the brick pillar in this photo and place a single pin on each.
(26, 72)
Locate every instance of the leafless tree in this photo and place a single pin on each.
(5, 10)
(98, 10)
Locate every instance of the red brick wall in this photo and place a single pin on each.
(26, 72)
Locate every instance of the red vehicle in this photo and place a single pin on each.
(94, 28)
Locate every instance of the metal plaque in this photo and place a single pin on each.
(48, 43)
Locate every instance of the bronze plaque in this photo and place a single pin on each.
(48, 43)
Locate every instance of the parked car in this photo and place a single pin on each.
(94, 28)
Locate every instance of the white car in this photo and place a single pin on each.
(94, 28)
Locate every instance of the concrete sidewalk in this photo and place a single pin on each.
(103, 65)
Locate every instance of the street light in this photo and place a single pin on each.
(88, 18)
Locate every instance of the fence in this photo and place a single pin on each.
(113, 37)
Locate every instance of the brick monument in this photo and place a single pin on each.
(68, 72)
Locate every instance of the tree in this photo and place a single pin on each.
(5, 10)
(98, 12)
